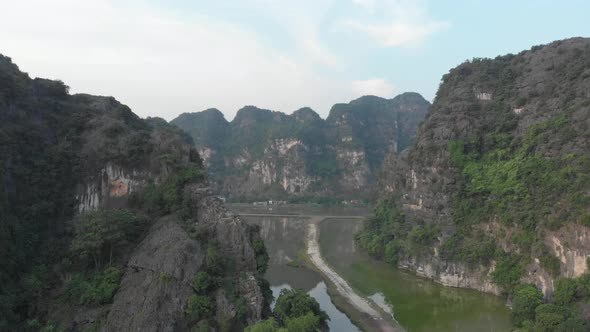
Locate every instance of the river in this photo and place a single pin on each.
(416, 303)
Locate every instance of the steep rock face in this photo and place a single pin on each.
(156, 286)
(157, 282)
(265, 154)
(571, 245)
(211, 130)
(115, 183)
(488, 163)
(453, 274)
(63, 155)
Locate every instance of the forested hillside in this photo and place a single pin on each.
(102, 212)
(495, 192)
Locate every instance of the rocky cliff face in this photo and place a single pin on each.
(63, 155)
(270, 155)
(498, 176)
(157, 283)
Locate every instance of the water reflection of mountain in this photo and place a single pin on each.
(284, 240)
(344, 234)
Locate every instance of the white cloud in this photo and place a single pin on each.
(368, 5)
(374, 86)
(401, 23)
(397, 33)
(161, 63)
(302, 19)
(308, 39)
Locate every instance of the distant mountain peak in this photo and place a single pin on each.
(305, 114)
(252, 112)
(409, 95)
(211, 114)
(368, 99)
(213, 111)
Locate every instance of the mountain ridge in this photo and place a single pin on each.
(263, 154)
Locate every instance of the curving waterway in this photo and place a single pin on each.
(417, 304)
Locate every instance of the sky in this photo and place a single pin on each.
(164, 58)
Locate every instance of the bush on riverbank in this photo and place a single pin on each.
(294, 311)
(387, 235)
(561, 313)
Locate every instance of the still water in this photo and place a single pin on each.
(284, 240)
(417, 304)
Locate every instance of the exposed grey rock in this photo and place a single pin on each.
(156, 286)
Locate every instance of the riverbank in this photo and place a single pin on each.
(372, 317)
(368, 316)
(418, 304)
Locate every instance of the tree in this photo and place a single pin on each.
(213, 260)
(548, 322)
(565, 290)
(550, 263)
(508, 270)
(261, 255)
(573, 324)
(526, 299)
(99, 233)
(306, 323)
(202, 283)
(93, 289)
(295, 311)
(199, 307)
(293, 303)
(391, 252)
(553, 309)
(268, 325)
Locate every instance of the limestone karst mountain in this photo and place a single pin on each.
(263, 154)
(495, 191)
(107, 221)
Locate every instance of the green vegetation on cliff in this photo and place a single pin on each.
(500, 170)
(295, 311)
(511, 183)
(388, 236)
(562, 313)
(99, 235)
(92, 288)
(508, 179)
(63, 255)
(254, 155)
